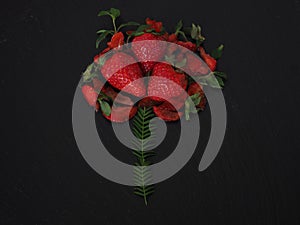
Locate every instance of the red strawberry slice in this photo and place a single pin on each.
(210, 61)
(148, 53)
(163, 112)
(166, 88)
(90, 95)
(121, 70)
(195, 88)
(120, 114)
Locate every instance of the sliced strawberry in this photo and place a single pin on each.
(90, 95)
(121, 114)
(121, 70)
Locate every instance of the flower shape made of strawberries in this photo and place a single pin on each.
(153, 53)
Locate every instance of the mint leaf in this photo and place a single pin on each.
(101, 31)
(115, 13)
(178, 27)
(104, 13)
(220, 74)
(217, 53)
(102, 36)
(128, 24)
(213, 82)
(105, 107)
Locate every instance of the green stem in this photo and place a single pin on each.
(114, 23)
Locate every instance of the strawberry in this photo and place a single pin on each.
(157, 26)
(163, 112)
(172, 38)
(121, 70)
(166, 87)
(195, 88)
(116, 41)
(97, 84)
(90, 95)
(189, 45)
(210, 61)
(148, 102)
(194, 66)
(120, 114)
(111, 93)
(149, 53)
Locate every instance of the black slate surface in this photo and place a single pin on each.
(255, 178)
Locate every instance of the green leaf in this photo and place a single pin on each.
(178, 27)
(181, 64)
(220, 74)
(220, 81)
(196, 34)
(104, 13)
(101, 31)
(217, 53)
(88, 75)
(213, 82)
(128, 24)
(102, 36)
(105, 107)
(115, 12)
(194, 31)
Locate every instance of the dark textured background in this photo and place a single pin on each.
(255, 178)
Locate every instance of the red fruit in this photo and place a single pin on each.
(90, 95)
(210, 61)
(148, 102)
(120, 114)
(121, 70)
(148, 53)
(166, 88)
(172, 38)
(195, 88)
(122, 99)
(97, 84)
(194, 65)
(163, 111)
(189, 45)
(116, 41)
(157, 26)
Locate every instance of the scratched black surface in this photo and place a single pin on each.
(255, 178)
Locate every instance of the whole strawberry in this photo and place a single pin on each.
(166, 88)
(121, 70)
(90, 96)
(210, 61)
(148, 53)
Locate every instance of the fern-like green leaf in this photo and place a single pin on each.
(143, 132)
